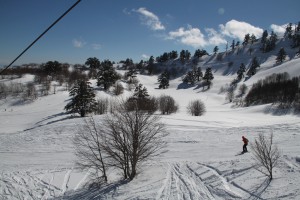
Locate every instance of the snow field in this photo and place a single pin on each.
(200, 162)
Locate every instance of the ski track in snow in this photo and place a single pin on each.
(192, 181)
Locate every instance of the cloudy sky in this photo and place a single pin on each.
(137, 29)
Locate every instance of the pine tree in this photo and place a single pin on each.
(198, 73)
(107, 76)
(253, 67)
(232, 45)
(264, 37)
(208, 76)
(190, 78)
(216, 49)
(197, 53)
(93, 63)
(241, 71)
(281, 56)
(52, 68)
(272, 41)
(184, 55)
(246, 39)
(128, 63)
(150, 66)
(140, 92)
(83, 99)
(173, 55)
(253, 38)
(288, 31)
(163, 80)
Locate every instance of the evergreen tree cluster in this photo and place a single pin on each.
(107, 75)
(268, 43)
(141, 100)
(193, 76)
(277, 88)
(199, 53)
(167, 56)
(184, 55)
(247, 39)
(294, 35)
(52, 68)
(128, 64)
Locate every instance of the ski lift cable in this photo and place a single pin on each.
(41, 35)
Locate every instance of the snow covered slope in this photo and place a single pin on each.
(201, 162)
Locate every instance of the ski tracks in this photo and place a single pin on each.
(28, 185)
(195, 181)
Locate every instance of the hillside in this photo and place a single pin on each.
(201, 159)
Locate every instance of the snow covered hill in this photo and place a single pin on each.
(201, 161)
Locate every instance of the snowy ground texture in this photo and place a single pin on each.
(201, 162)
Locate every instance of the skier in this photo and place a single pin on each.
(245, 140)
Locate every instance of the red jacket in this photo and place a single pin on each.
(245, 140)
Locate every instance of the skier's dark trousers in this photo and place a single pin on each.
(245, 140)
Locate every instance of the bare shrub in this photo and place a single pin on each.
(266, 154)
(3, 91)
(30, 92)
(118, 89)
(230, 94)
(242, 89)
(196, 108)
(149, 104)
(167, 105)
(101, 106)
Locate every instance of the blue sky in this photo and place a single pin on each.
(137, 29)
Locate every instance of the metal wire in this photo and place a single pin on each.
(41, 35)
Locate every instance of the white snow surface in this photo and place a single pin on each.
(201, 162)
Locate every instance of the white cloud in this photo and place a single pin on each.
(126, 12)
(96, 46)
(215, 38)
(191, 36)
(195, 38)
(221, 11)
(144, 56)
(237, 29)
(78, 43)
(279, 30)
(150, 19)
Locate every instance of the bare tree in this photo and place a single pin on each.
(88, 143)
(266, 154)
(132, 138)
(196, 108)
